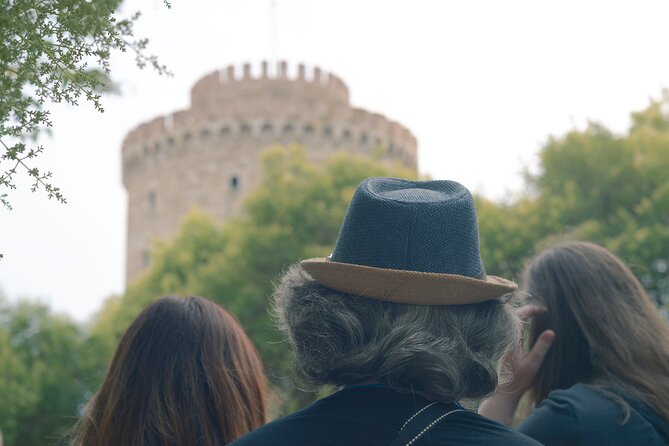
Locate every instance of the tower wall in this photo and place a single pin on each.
(209, 155)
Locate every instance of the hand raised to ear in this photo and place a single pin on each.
(523, 367)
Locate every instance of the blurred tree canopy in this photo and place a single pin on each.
(49, 367)
(592, 185)
(54, 51)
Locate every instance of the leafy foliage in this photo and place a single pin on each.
(48, 368)
(593, 185)
(53, 52)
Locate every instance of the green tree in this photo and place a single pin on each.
(294, 214)
(53, 52)
(49, 367)
(18, 393)
(592, 185)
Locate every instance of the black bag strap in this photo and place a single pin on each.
(422, 421)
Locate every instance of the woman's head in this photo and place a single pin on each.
(441, 352)
(183, 373)
(607, 329)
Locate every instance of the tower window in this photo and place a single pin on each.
(152, 200)
(234, 183)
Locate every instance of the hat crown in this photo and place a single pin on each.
(426, 226)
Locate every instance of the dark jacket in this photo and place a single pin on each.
(583, 415)
(373, 415)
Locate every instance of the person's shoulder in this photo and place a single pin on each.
(574, 401)
(471, 429)
(584, 414)
(280, 432)
(585, 402)
(555, 420)
(261, 436)
(317, 423)
(579, 393)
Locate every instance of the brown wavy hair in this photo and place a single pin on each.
(609, 332)
(184, 373)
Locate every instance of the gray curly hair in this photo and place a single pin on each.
(444, 353)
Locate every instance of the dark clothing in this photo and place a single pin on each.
(373, 415)
(583, 415)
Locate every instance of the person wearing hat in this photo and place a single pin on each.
(402, 319)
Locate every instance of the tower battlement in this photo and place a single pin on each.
(231, 83)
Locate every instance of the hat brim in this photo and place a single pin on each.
(406, 287)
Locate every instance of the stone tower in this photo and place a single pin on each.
(209, 155)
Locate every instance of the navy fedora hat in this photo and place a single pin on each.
(414, 242)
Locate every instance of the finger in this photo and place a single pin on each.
(536, 356)
(527, 311)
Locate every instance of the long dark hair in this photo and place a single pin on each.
(609, 333)
(184, 373)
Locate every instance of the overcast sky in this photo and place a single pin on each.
(482, 84)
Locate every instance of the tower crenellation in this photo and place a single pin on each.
(236, 85)
(209, 155)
